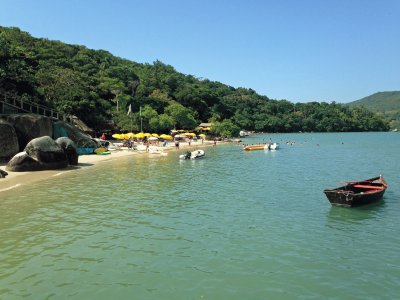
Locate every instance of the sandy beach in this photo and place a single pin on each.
(18, 179)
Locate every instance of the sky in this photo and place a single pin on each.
(298, 50)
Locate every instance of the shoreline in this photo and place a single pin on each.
(18, 179)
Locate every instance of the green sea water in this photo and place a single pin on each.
(233, 225)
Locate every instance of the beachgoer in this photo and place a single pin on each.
(103, 136)
(215, 142)
(177, 145)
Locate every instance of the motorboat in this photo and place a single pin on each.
(273, 146)
(192, 155)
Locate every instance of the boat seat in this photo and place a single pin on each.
(364, 186)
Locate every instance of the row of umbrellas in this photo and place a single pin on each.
(150, 136)
(140, 135)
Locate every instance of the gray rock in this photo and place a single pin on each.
(81, 139)
(3, 173)
(46, 150)
(69, 148)
(8, 141)
(30, 126)
(22, 162)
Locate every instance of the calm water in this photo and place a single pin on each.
(233, 225)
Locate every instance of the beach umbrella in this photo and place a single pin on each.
(147, 134)
(166, 137)
(139, 135)
(153, 138)
(155, 134)
(129, 135)
(202, 135)
(190, 134)
(119, 136)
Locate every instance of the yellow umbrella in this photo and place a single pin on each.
(129, 135)
(166, 137)
(139, 135)
(147, 134)
(202, 134)
(155, 135)
(119, 136)
(190, 134)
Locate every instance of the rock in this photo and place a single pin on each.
(3, 173)
(22, 162)
(45, 150)
(30, 126)
(81, 139)
(9, 145)
(69, 148)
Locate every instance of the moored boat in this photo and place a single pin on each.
(192, 155)
(256, 147)
(356, 193)
(272, 146)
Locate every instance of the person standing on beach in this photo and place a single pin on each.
(177, 145)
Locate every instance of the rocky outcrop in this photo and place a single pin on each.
(29, 126)
(8, 141)
(70, 150)
(17, 130)
(41, 153)
(81, 139)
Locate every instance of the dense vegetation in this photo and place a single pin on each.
(386, 104)
(99, 88)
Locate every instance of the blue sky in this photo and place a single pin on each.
(299, 50)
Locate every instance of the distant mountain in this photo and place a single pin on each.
(384, 103)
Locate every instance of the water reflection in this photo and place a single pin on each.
(338, 216)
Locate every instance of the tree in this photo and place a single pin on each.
(226, 128)
(182, 116)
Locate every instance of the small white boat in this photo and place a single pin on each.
(273, 146)
(192, 155)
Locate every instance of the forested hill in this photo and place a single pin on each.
(99, 88)
(381, 101)
(385, 103)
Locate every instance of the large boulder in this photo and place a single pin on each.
(30, 126)
(69, 148)
(22, 162)
(81, 139)
(42, 153)
(46, 150)
(8, 141)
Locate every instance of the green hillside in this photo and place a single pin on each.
(98, 88)
(387, 104)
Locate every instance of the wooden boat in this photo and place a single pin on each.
(356, 193)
